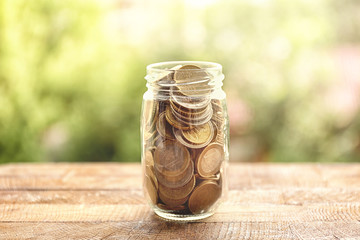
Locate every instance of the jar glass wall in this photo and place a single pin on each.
(184, 139)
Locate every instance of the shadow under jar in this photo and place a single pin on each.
(184, 139)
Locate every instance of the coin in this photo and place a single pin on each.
(209, 161)
(175, 181)
(184, 142)
(150, 108)
(149, 171)
(218, 112)
(200, 134)
(164, 82)
(193, 122)
(180, 192)
(193, 119)
(189, 112)
(164, 128)
(191, 80)
(150, 112)
(148, 158)
(172, 121)
(155, 141)
(172, 202)
(214, 178)
(171, 158)
(165, 207)
(151, 189)
(180, 138)
(189, 102)
(204, 196)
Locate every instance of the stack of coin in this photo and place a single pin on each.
(183, 136)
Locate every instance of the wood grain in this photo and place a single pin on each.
(105, 201)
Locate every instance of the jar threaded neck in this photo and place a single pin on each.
(189, 78)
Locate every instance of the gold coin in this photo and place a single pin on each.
(149, 134)
(150, 108)
(204, 196)
(164, 128)
(180, 192)
(218, 113)
(150, 112)
(164, 81)
(171, 158)
(216, 132)
(176, 181)
(214, 178)
(188, 112)
(151, 189)
(190, 102)
(173, 122)
(165, 207)
(193, 122)
(199, 134)
(210, 159)
(149, 171)
(219, 136)
(167, 75)
(216, 104)
(172, 202)
(191, 80)
(154, 141)
(148, 158)
(196, 120)
(186, 143)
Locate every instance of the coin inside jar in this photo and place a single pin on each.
(178, 180)
(175, 123)
(150, 108)
(149, 171)
(164, 81)
(189, 102)
(204, 196)
(171, 157)
(208, 136)
(199, 134)
(164, 128)
(151, 189)
(180, 192)
(177, 208)
(209, 161)
(191, 80)
(172, 202)
(196, 120)
(148, 158)
(184, 110)
(191, 114)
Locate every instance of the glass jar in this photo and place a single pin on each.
(184, 139)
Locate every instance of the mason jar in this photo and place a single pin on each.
(184, 139)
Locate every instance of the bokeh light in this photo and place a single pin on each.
(72, 75)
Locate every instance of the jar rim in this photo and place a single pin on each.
(165, 66)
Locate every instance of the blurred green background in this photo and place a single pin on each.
(72, 75)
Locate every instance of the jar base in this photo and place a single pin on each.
(181, 217)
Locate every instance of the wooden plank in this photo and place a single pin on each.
(241, 176)
(73, 197)
(289, 196)
(314, 172)
(158, 229)
(70, 183)
(325, 212)
(69, 169)
(104, 201)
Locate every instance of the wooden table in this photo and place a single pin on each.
(105, 201)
